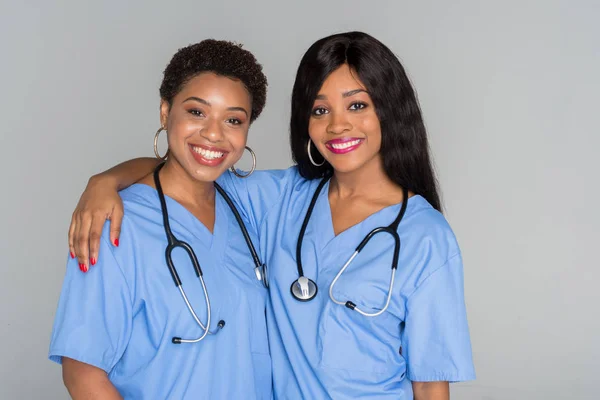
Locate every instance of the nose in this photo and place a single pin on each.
(212, 131)
(338, 123)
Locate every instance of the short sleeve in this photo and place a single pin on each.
(94, 317)
(436, 340)
(256, 195)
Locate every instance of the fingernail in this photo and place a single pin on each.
(93, 261)
(81, 265)
(85, 268)
(117, 242)
(72, 255)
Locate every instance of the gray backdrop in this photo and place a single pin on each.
(509, 91)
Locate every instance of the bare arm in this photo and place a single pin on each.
(127, 173)
(99, 202)
(86, 382)
(431, 390)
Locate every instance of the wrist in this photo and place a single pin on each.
(104, 179)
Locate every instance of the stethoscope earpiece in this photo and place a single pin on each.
(304, 289)
(178, 340)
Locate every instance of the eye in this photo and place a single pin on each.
(196, 112)
(234, 121)
(357, 106)
(318, 111)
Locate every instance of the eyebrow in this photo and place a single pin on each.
(344, 95)
(199, 100)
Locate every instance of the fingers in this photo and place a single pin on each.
(82, 243)
(95, 234)
(72, 230)
(96, 204)
(115, 224)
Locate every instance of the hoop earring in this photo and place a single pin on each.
(156, 145)
(247, 174)
(310, 156)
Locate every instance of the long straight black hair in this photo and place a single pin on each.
(404, 144)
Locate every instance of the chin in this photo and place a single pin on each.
(357, 163)
(203, 173)
(347, 167)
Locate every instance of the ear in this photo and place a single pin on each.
(164, 113)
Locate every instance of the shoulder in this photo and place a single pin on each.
(140, 203)
(261, 192)
(139, 195)
(427, 221)
(428, 236)
(273, 179)
(141, 209)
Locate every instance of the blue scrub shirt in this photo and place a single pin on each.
(122, 314)
(323, 350)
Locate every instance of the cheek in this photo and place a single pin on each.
(238, 140)
(179, 128)
(316, 128)
(371, 127)
(176, 136)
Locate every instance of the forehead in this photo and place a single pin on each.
(342, 80)
(209, 84)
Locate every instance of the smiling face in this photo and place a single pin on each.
(344, 125)
(207, 125)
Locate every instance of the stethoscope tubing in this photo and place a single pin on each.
(173, 243)
(260, 269)
(391, 229)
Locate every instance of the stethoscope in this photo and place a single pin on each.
(260, 270)
(305, 289)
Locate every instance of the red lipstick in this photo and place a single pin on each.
(343, 145)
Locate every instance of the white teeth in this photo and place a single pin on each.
(341, 146)
(208, 154)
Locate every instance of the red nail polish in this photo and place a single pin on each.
(85, 268)
(117, 242)
(93, 261)
(81, 267)
(72, 255)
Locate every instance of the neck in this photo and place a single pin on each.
(177, 184)
(369, 181)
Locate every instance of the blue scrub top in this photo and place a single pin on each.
(122, 314)
(324, 350)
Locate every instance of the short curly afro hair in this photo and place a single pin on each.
(222, 58)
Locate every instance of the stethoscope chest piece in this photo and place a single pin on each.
(304, 289)
(261, 274)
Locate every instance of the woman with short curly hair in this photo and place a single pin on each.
(114, 329)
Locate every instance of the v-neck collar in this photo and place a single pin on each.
(351, 236)
(182, 219)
